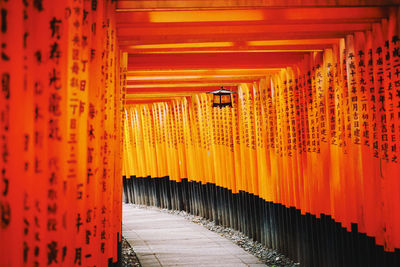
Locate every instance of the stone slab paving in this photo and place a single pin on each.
(163, 239)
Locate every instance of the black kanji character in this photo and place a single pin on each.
(51, 225)
(75, 68)
(94, 5)
(78, 256)
(38, 114)
(53, 178)
(77, 11)
(4, 56)
(84, 41)
(92, 111)
(81, 107)
(26, 228)
(387, 43)
(78, 222)
(26, 252)
(26, 35)
(88, 234)
(379, 51)
(79, 196)
(5, 85)
(84, 64)
(76, 24)
(91, 133)
(395, 39)
(55, 52)
(76, 40)
(92, 54)
(90, 154)
(38, 56)
(53, 163)
(387, 56)
(38, 4)
(36, 252)
(52, 208)
(52, 252)
(6, 183)
(38, 88)
(26, 206)
(64, 253)
(52, 194)
(396, 52)
(55, 27)
(84, 17)
(4, 20)
(54, 104)
(89, 216)
(54, 79)
(5, 212)
(397, 73)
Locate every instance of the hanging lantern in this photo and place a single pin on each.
(222, 98)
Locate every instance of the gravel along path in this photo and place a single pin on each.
(129, 258)
(268, 256)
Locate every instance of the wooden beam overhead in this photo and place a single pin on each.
(271, 15)
(212, 61)
(170, 86)
(168, 95)
(204, 72)
(193, 89)
(244, 37)
(150, 101)
(199, 30)
(190, 79)
(300, 45)
(238, 4)
(238, 49)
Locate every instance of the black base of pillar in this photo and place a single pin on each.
(118, 263)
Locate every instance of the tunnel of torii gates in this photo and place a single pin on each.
(106, 101)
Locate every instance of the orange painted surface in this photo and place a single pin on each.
(269, 15)
(315, 122)
(60, 198)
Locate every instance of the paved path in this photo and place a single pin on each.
(163, 239)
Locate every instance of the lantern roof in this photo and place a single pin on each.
(222, 91)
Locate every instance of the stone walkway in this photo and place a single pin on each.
(163, 239)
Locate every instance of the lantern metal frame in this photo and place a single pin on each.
(222, 92)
